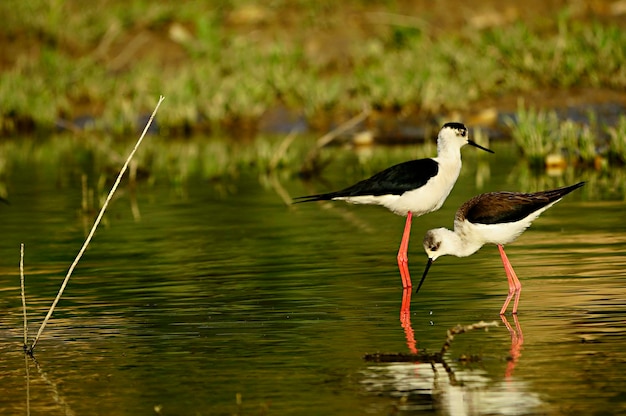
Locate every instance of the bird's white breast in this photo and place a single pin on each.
(432, 195)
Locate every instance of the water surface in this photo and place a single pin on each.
(213, 298)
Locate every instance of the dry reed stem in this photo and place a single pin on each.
(23, 296)
(95, 225)
(282, 149)
(309, 165)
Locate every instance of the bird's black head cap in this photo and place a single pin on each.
(454, 125)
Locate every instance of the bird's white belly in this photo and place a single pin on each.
(499, 233)
(428, 198)
(418, 201)
(502, 233)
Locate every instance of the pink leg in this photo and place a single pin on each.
(515, 287)
(403, 258)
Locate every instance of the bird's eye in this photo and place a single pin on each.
(434, 246)
(463, 133)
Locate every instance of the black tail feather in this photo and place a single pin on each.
(313, 198)
(559, 193)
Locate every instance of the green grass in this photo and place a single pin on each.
(112, 60)
(163, 160)
(218, 163)
(617, 143)
(540, 133)
(535, 132)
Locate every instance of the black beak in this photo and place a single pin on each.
(430, 263)
(472, 143)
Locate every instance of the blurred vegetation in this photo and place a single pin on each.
(225, 64)
(69, 160)
(546, 139)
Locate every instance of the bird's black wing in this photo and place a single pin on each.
(394, 180)
(502, 207)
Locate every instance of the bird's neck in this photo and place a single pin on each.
(449, 159)
(448, 151)
(460, 244)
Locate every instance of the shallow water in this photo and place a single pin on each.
(200, 301)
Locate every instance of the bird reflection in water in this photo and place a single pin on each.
(405, 320)
(517, 340)
(517, 336)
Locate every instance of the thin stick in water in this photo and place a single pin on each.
(23, 296)
(95, 225)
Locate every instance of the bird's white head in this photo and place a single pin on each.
(453, 136)
(439, 242)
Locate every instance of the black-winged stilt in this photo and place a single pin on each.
(416, 187)
(496, 218)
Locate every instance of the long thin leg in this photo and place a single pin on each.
(403, 258)
(515, 287)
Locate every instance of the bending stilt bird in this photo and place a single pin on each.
(496, 218)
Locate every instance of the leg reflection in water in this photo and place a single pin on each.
(517, 340)
(405, 320)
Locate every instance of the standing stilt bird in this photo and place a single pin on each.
(496, 218)
(416, 187)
